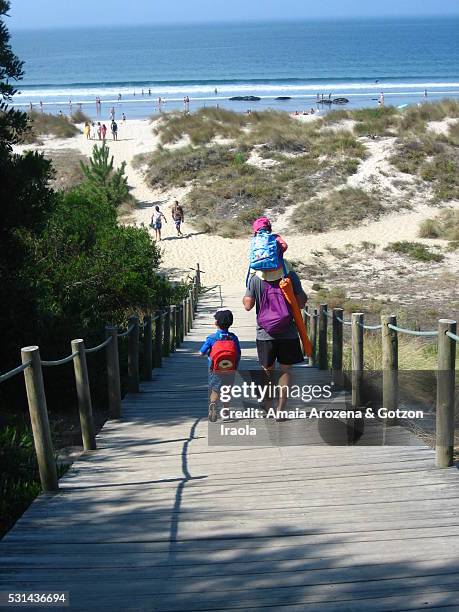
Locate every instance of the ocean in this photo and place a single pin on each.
(297, 61)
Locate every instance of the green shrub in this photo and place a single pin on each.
(414, 250)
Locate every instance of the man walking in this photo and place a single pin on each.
(284, 347)
(178, 216)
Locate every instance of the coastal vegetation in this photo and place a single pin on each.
(236, 166)
(445, 225)
(67, 268)
(45, 124)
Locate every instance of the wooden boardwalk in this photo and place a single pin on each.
(156, 519)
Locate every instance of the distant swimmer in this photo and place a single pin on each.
(377, 81)
(149, 92)
(119, 97)
(143, 93)
(123, 118)
(41, 105)
(425, 93)
(216, 91)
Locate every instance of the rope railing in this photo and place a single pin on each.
(171, 324)
(127, 332)
(94, 349)
(412, 332)
(343, 321)
(452, 336)
(58, 362)
(17, 370)
(446, 336)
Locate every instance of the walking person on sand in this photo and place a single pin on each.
(282, 343)
(156, 222)
(104, 131)
(87, 130)
(114, 129)
(178, 216)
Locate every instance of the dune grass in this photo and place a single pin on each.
(445, 226)
(44, 124)
(201, 126)
(339, 209)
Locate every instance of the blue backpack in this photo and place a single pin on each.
(263, 251)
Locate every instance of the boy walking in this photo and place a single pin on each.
(224, 352)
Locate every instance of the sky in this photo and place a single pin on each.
(31, 14)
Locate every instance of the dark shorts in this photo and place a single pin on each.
(178, 223)
(285, 351)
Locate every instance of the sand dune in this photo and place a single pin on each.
(224, 260)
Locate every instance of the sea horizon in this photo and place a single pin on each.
(352, 58)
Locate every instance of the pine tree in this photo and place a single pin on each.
(102, 180)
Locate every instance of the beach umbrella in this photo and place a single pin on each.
(287, 291)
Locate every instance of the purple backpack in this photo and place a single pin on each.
(274, 315)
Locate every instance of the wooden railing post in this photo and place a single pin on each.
(357, 358)
(159, 333)
(84, 395)
(167, 332)
(444, 443)
(323, 346)
(337, 335)
(190, 293)
(33, 376)
(198, 276)
(147, 347)
(173, 329)
(113, 373)
(133, 355)
(389, 364)
(178, 325)
(313, 328)
(185, 317)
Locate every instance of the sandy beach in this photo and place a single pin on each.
(224, 260)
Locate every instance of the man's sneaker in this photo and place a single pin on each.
(213, 412)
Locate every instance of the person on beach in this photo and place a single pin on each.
(178, 216)
(99, 130)
(123, 118)
(149, 92)
(104, 131)
(114, 129)
(223, 351)
(156, 222)
(87, 131)
(112, 113)
(93, 131)
(282, 346)
(119, 97)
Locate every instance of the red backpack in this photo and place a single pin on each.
(224, 355)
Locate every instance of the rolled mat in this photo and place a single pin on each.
(287, 290)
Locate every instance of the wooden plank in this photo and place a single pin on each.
(159, 519)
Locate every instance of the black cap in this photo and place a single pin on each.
(224, 318)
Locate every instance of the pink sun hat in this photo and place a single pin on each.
(261, 223)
